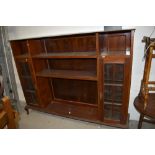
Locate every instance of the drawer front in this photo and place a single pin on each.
(70, 110)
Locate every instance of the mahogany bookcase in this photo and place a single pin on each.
(83, 76)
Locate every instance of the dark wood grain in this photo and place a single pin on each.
(66, 55)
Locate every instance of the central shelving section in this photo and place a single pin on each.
(68, 67)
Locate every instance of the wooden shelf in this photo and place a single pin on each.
(113, 84)
(68, 74)
(66, 55)
(23, 56)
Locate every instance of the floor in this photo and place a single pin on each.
(39, 120)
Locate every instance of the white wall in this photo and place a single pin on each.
(21, 32)
(138, 65)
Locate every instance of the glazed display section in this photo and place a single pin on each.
(82, 76)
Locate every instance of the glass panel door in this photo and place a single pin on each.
(113, 76)
(27, 81)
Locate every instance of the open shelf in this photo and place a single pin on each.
(66, 55)
(68, 74)
(74, 90)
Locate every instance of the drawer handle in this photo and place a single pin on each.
(69, 112)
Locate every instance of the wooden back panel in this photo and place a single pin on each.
(81, 43)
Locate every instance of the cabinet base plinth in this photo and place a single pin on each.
(69, 115)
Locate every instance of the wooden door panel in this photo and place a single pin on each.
(117, 43)
(115, 88)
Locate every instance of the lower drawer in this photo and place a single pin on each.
(71, 110)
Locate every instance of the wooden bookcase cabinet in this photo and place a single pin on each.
(82, 76)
